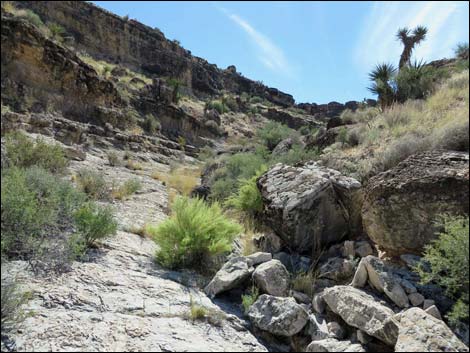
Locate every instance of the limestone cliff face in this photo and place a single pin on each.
(128, 42)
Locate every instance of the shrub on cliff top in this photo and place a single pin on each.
(195, 232)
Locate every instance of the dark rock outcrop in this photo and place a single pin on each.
(402, 205)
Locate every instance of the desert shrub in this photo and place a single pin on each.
(21, 151)
(217, 105)
(230, 103)
(448, 258)
(94, 223)
(92, 183)
(212, 126)
(37, 218)
(342, 136)
(256, 100)
(415, 81)
(304, 282)
(401, 149)
(248, 198)
(236, 167)
(113, 159)
(179, 180)
(133, 165)
(361, 115)
(12, 298)
(151, 124)
(461, 51)
(128, 188)
(250, 298)
(194, 233)
(57, 31)
(206, 153)
(453, 136)
(296, 154)
(273, 133)
(31, 17)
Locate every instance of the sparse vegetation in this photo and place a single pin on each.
(113, 159)
(273, 133)
(179, 181)
(194, 233)
(92, 183)
(305, 282)
(249, 298)
(448, 257)
(12, 299)
(151, 124)
(22, 151)
(133, 165)
(94, 223)
(128, 188)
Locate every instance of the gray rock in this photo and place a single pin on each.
(348, 249)
(283, 147)
(317, 327)
(268, 242)
(363, 337)
(300, 297)
(231, 275)
(422, 187)
(363, 249)
(318, 303)
(416, 299)
(421, 332)
(309, 206)
(337, 269)
(259, 258)
(272, 278)
(333, 345)
(279, 316)
(336, 330)
(381, 279)
(434, 311)
(362, 311)
(428, 303)
(410, 260)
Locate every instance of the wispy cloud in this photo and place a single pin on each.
(268, 53)
(377, 40)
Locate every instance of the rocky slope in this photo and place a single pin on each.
(359, 298)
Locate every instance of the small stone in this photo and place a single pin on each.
(434, 311)
(259, 258)
(428, 303)
(318, 303)
(363, 249)
(336, 330)
(416, 299)
(363, 337)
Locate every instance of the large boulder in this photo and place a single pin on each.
(401, 205)
(279, 316)
(333, 345)
(272, 278)
(363, 311)
(309, 206)
(337, 269)
(382, 279)
(231, 275)
(421, 332)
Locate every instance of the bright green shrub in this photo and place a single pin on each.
(195, 232)
(273, 133)
(94, 223)
(249, 299)
(21, 151)
(248, 198)
(448, 258)
(217, 105)
(415, 82)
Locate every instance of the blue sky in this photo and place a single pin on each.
(316, 51)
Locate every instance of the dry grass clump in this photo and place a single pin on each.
(179, 181)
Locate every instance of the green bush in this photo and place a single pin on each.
(129, 187)
(217, 105)
(194, 234)
(151, 124)
(273, 133)
(461, 51)
(249, 299)
(32, 17)
(113, 159)
(296, 154)
(256, 100)
(11, 301)
(57, 31)
(448, 258)
(248, 198)
(21, 151)
(415, 82)
(37, 217)
(94, 223)
(92, 183)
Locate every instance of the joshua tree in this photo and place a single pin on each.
(410, 39)
(383, 85)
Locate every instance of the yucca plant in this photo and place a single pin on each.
(383, 84)
(414, 81)
(409, 39)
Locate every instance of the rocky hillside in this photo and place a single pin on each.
(316, 227)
